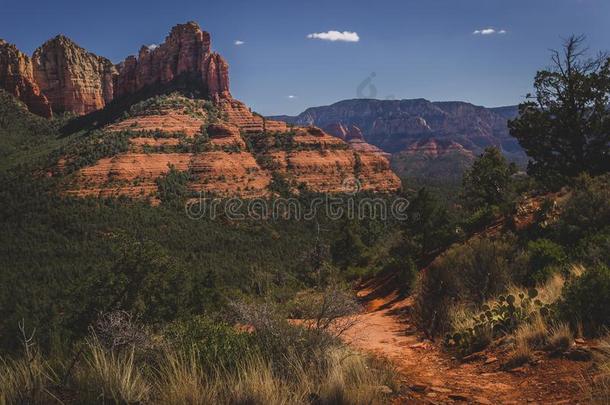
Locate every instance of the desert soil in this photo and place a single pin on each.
(430, 375)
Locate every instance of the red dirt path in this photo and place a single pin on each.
(433, 377)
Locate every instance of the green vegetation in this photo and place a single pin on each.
(565, 130)
(132, 303)
(586, 301)
(175, 102)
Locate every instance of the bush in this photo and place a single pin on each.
(594, 249)
(586, 300)
(588, 210)
(545, 257)
(469, 274)
(214, 343)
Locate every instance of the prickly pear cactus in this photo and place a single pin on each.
(497, 319)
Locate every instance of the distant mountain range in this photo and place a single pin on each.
(421, 136)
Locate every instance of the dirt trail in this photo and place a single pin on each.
(432, 376)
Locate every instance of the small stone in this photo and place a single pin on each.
(579, 354)
(418, 387)
(473, 357)
(491, 360)
(580, 341)
(458, 397)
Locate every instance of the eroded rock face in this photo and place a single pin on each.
(354, 137)
(71, 78)
(238, 114)
(227, 166)
(17, 78)
(185, 53)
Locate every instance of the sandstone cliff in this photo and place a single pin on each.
(17, 78)
(71, 78)
(186, 53)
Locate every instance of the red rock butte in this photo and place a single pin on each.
(63, 77)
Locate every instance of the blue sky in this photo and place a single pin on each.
(414, 48)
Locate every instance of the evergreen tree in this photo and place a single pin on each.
(488, 182)
(565, 129)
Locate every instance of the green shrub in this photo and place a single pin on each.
(215, 343)
(587, 212)
(405, 271)
(586, 300)
(471, 274)
(594, 249)
(545, 258)
(172, 187)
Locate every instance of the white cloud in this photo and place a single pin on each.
(489, 31)
(152, 47)
(291, 96)
(238, 42)
(345, 36)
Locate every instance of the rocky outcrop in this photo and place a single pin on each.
(238, 114)
(345, 132)
(17, 78)
(68, 78)
(354, 137)
(226, 165)
(434, 148)
(71, 78)
(186, 53)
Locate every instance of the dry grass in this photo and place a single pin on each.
(532, 334)
(335, 375)
(26, 381)
(597, 388)
(550, 291)
(349, 381)
(560, 338)
(181, 380)
(112, 376)
(522, 353)
(255, 383)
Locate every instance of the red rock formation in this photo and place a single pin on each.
(17, 78)
(237, 113)
(185, 52)
(347, 133)
(354, 137)
(71, 78)
(435, 148)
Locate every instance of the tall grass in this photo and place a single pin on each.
(111, 376)
(597, 388)
(180, 379)
(335, 375)
(26, 380)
